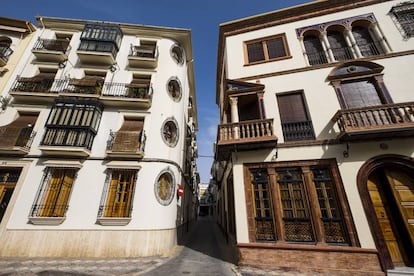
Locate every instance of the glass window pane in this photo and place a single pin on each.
(255, 52)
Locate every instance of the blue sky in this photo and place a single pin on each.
(202, 17)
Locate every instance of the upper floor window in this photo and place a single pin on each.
(72, 123)
(53, 196)
(101, 38)
(266, 49)
(360, 84)
(174, 89)
(177, 54)
(296, 122)
(403, 16)
(299, 202)
(343, 39)
(5, 50)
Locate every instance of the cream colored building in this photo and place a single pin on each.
(314, 152)
(15, 37)
(96, 140)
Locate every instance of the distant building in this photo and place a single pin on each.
(98, 142)
(314, 155)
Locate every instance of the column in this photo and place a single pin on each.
(235, 117)
(355, 47)
(378, 35)
(327, 46)
(302, 46)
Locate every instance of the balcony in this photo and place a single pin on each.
(16, 140)
(245, 136)
(98, 53)
(5, 52)
(298, 131)
(45, 90)
(384, 121)
(67, 141)
(51, 50)
(36, 89)
(143, 57)
(126, 144)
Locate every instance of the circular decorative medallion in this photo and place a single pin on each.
(165, 187)
(169, 132)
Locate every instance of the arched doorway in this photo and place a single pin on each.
(386, 186)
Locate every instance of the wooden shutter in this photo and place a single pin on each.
(10, 133)
(292, 108)
(128, 136)
(119, 199)
(360, 93)
(57, 194)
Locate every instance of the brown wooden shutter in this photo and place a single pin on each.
(128, 136)
(10, 133)
(292, 108)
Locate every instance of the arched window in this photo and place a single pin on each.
(339, 48)
(359, 84)
(314, 49)
(365, 41)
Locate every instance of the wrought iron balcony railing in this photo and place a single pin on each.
(385, 120)
(298, 131)
(143, 51)
(39, 85)
(370, 49)
(16, 137)
(108, 89)
(5, 53)
(317, 58)
(58, 45)
(343, 53)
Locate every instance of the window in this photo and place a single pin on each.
(338, 45)
(19, 133)
(140, 87)
(165, 187)
(360, 84)
(129, 138)
(403, 16)
(53, 196)
(174, 89)
(314, 50)
(72, 123)
(8, 180)
(365, 42)
(5, 50)
(296, 124)
(177, 54)
(101, 38)
(170, 132)
(267, 49)
(303, 202)
(117, 199)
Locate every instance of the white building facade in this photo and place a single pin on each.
(314, 153)
(97, 140)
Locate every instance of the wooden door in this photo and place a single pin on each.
(392, 195)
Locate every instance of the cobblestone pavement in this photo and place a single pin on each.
(52, 267)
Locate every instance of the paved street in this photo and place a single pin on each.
(204, 252)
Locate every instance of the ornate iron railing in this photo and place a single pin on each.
(58, 45)
(16, 137)
(298, 131)
(5, 53)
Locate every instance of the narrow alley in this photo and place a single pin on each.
(205, 252)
